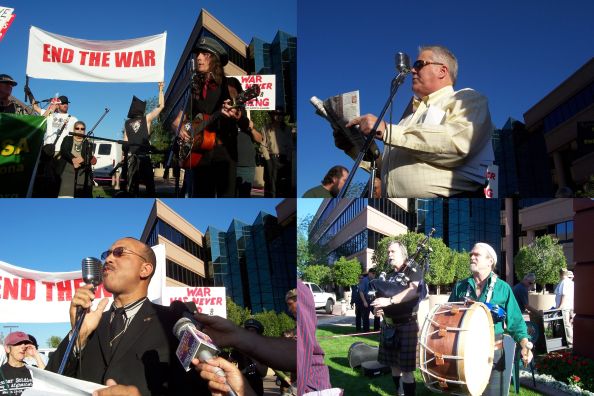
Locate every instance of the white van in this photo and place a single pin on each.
(108, 155)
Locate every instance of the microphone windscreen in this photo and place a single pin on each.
(402, 62)
(180, 326)
(92, 271)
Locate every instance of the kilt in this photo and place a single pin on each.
(403, 354)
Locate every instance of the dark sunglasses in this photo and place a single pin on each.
(80, 129)
(119, 252)
(419, 64)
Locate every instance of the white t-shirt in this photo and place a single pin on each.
(54, 124)
(564, 288)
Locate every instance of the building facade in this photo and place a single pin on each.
(256, 262)
(565, 117)
(351, 228)
(185, 250)
(278, 57)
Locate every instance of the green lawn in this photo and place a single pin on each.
(354, 383)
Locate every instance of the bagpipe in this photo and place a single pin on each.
(418, 261)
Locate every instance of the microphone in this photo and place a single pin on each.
(320, 110)
(191, 341)
(92, 271)
(402, 63)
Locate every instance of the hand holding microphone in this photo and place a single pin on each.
(224, 378)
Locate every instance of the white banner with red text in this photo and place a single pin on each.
(267, 98)
(28, 296)
(208, 300)
(58, 57)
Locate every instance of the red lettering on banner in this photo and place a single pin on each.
(94, 58)
(105, 59)
(83, 56)
(149, 58)
(49, 288)
(263, 86)
(123, 59)
(199, 309)
(198, 291)
(219, 301)
(138, 61)
(135, 59)
(11, 289)
(258, 102)
(28, 289)
(78, 283)
(64, 290)
(252, 79)
(46, 52)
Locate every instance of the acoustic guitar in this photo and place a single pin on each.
(203, 139)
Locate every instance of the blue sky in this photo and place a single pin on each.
(514, 52)
(55, 234)
(108, 20)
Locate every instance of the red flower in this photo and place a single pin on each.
(575, 378)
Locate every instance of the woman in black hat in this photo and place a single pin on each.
(214, 173)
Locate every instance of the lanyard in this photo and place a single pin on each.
(489, 289)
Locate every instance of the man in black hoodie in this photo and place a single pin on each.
(137, 132)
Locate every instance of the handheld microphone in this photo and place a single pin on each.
(92, 271)
(191, 341)
(402, 63)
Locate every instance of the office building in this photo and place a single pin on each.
(256, 263)
(565, 118)
(352, 228)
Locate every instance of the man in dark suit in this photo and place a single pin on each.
(131, 343)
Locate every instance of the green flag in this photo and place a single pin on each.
(21, 138)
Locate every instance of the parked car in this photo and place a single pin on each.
(321, 298)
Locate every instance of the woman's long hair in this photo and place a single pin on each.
(216, 70)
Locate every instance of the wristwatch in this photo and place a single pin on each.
(529, 345)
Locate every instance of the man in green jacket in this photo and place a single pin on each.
(484, 286)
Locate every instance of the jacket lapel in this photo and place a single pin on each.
(103, 334)
(139, 325)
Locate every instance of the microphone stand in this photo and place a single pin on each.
(396, 82)
(80, 316)
(88, 155)
(172, 157)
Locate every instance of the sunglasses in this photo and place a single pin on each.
(119, 252)
(79, 129)
(419, 64)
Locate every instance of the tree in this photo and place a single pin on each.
(54, 341)
(160, 137)
(346, 272)
(308, 253)
(441, 270)
(318, 274)
(461, 262)
(544, 257)
(237, 314)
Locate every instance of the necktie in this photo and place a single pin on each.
(117, 327)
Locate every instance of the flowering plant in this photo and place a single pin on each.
(566, 367)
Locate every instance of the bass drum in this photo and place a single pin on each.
(359, 352)
(456, 348)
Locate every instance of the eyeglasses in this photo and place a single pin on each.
(419, 64)
(119, 252)
(79, 129)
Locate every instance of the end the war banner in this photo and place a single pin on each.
(28, 296)
(56, 57)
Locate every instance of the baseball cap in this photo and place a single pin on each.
(63, 99)
(16, 337)
(291, 294)
(254, 324)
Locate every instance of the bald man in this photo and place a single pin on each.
(132, 343)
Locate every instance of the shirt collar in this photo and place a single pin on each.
(432, 97)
